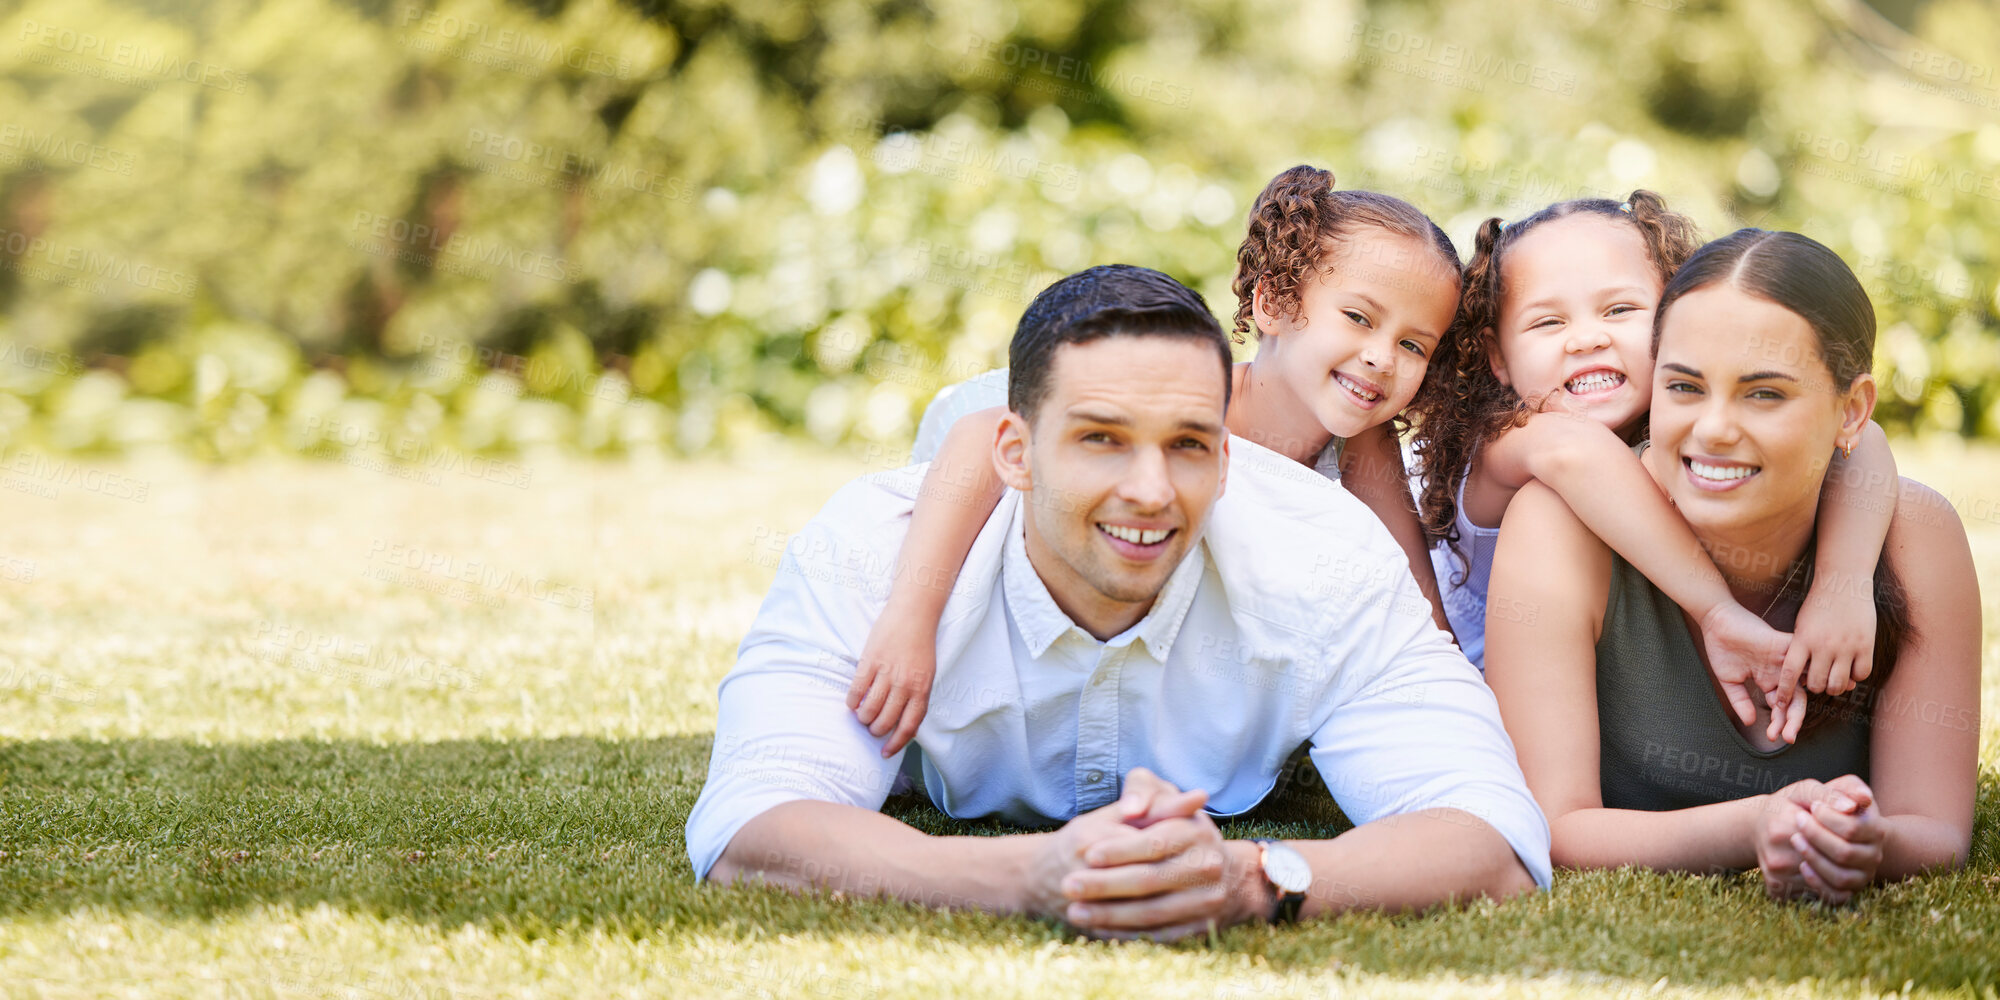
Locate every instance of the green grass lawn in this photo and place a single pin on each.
(317, 730)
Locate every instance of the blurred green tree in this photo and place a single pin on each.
(248, 226)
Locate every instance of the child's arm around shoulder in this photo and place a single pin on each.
(1371, 467)
(1609, 490)
(1833, 643)
(892, 681)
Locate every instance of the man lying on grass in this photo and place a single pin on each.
(1128, 652)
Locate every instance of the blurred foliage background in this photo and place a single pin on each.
(407, 229)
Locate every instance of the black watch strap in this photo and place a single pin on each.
(1289, 904)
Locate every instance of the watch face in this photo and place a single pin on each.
(1286, 868)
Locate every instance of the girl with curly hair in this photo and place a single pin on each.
(1348, 294)
(1547, 374)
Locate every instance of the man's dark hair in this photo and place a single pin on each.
(1104, 301)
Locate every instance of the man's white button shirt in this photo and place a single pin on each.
(1293, 620)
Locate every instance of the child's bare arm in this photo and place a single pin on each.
(1371, 467)
(1600, 479)
(1833, 644)
(892, 681)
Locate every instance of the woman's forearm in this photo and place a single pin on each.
(1721, 837)
(1717, 837)
(1918, 844)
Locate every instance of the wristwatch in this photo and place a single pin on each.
(1289, 874)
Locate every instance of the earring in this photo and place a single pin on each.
(1846, 451)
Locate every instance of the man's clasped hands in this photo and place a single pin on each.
(1150, 865)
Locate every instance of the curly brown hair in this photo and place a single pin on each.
(1467, 405)
(1296, 230)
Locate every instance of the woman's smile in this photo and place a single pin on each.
(1715, 475)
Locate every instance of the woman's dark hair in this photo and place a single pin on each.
(1104, 301)
(1798, 273)
(1467, 405)
(1801, 275)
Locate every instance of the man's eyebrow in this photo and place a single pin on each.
(1100, 417)
(1118, 420)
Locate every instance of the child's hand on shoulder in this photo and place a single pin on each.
(1743, 650)
(892, 682)
(1833, 644)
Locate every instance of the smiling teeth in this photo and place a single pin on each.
(1722, 472)
(1357, 388)
(1595, 381)
(1136, 536)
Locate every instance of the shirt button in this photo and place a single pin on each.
(1095, 681)
(1093, 777)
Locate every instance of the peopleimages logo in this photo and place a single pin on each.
(132, 55)
(61, 472)
(1453, 63)
(510, 46)
(1888, 169)
(560, 168)
(57, 149)
(492, 580)
(87, 263)
(458, 252)
(1016, 56)
(41, 359)
(407, 456)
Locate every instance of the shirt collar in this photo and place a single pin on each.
(1327, 463)
(1041, 622)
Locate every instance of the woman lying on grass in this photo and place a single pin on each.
(1762, 343)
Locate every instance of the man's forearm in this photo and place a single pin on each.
(1411, 861)
(823, 845)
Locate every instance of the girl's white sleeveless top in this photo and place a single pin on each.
(1465, 602)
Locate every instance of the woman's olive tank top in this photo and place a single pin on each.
(1668, 742)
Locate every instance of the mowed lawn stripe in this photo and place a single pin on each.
(533, 837)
